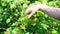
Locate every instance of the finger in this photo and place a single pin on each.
(31, 14)
(27, 11)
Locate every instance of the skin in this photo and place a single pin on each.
(51, 11)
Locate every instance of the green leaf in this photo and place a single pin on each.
(44, 26)
(27, 33)
(54, 32)
(4, 3)
(8, 20)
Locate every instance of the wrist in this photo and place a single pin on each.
(41, 6)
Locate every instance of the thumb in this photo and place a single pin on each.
(32, 13)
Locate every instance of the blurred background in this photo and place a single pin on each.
(12, 20)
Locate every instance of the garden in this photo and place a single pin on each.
(13, 21)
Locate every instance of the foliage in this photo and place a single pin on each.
(12, 20)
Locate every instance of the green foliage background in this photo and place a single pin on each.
(12, 20)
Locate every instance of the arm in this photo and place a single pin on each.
(51, 11)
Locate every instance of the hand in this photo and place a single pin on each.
(32, 9)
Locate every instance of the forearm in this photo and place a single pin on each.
(51, 11)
